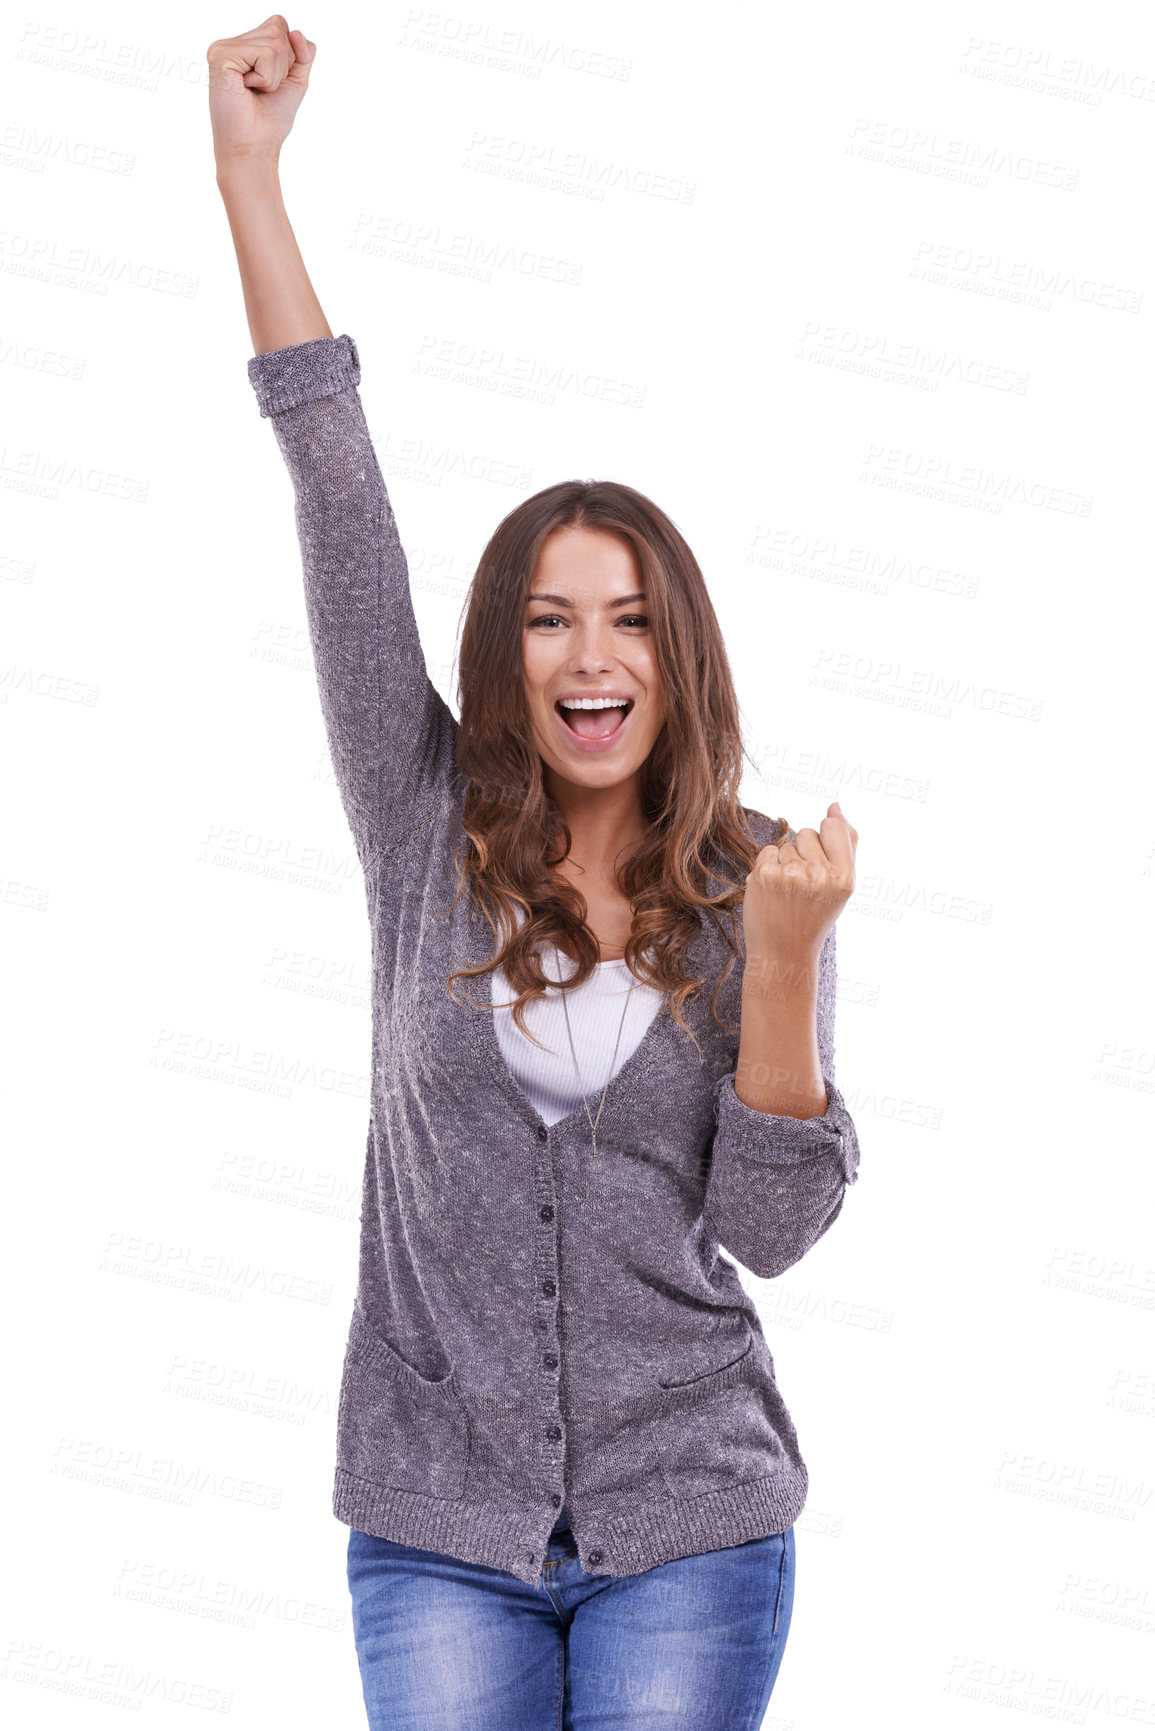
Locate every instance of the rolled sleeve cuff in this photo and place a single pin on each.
(285, 378)
(771, 1140)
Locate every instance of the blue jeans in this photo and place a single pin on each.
(445, 1645)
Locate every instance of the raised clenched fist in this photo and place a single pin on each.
(797, 890)
(256, 84)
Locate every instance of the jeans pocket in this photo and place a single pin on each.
(781, 1579)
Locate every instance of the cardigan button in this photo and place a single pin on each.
(595, 1556)
(556, 1500)
(550, 1361)
(542, 1133)
(553, 1433)
(548, 1287)
(546, 1213)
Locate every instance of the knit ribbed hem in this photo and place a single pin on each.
(658, 1531)
(476, 1533)
(285, 378)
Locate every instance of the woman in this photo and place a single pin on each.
(569, 1476)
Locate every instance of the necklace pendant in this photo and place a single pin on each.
(593, 1122)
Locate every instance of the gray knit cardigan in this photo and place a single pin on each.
(529, 1327)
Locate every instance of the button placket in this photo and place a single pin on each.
(550, 1359)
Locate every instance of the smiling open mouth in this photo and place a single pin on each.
(595, 723)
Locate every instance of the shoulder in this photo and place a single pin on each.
(767, 829)
(761, 831)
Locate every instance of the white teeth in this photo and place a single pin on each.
(593, 702)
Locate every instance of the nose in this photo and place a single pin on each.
(591, 648)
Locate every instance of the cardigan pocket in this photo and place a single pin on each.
(396, 1427)
(736, 1352)
(720, 1429)
(628, 1439)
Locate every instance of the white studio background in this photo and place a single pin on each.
(863, 298)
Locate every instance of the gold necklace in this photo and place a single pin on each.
(593, 1122)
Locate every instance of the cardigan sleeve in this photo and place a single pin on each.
(776, 1184)
(392, 737)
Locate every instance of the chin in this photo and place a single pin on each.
(591, 773)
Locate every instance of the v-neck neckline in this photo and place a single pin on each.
(487, 1046)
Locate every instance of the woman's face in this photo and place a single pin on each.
(587, 634)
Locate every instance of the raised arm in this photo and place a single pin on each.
(392, 737)
(257, 82)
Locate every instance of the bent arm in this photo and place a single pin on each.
(776, 1183)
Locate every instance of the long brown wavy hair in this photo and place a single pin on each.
(698, 835)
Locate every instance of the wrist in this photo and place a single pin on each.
(248, 173)
(781, 969)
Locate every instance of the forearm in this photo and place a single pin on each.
(779, 1068)
(280, 303)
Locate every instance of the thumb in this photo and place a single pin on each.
(305, 52)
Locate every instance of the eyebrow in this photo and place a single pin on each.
(562, 601)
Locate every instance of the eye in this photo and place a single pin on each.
(633, 619)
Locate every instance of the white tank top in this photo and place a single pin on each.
(547, 1077)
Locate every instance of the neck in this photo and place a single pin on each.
(605, 823)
